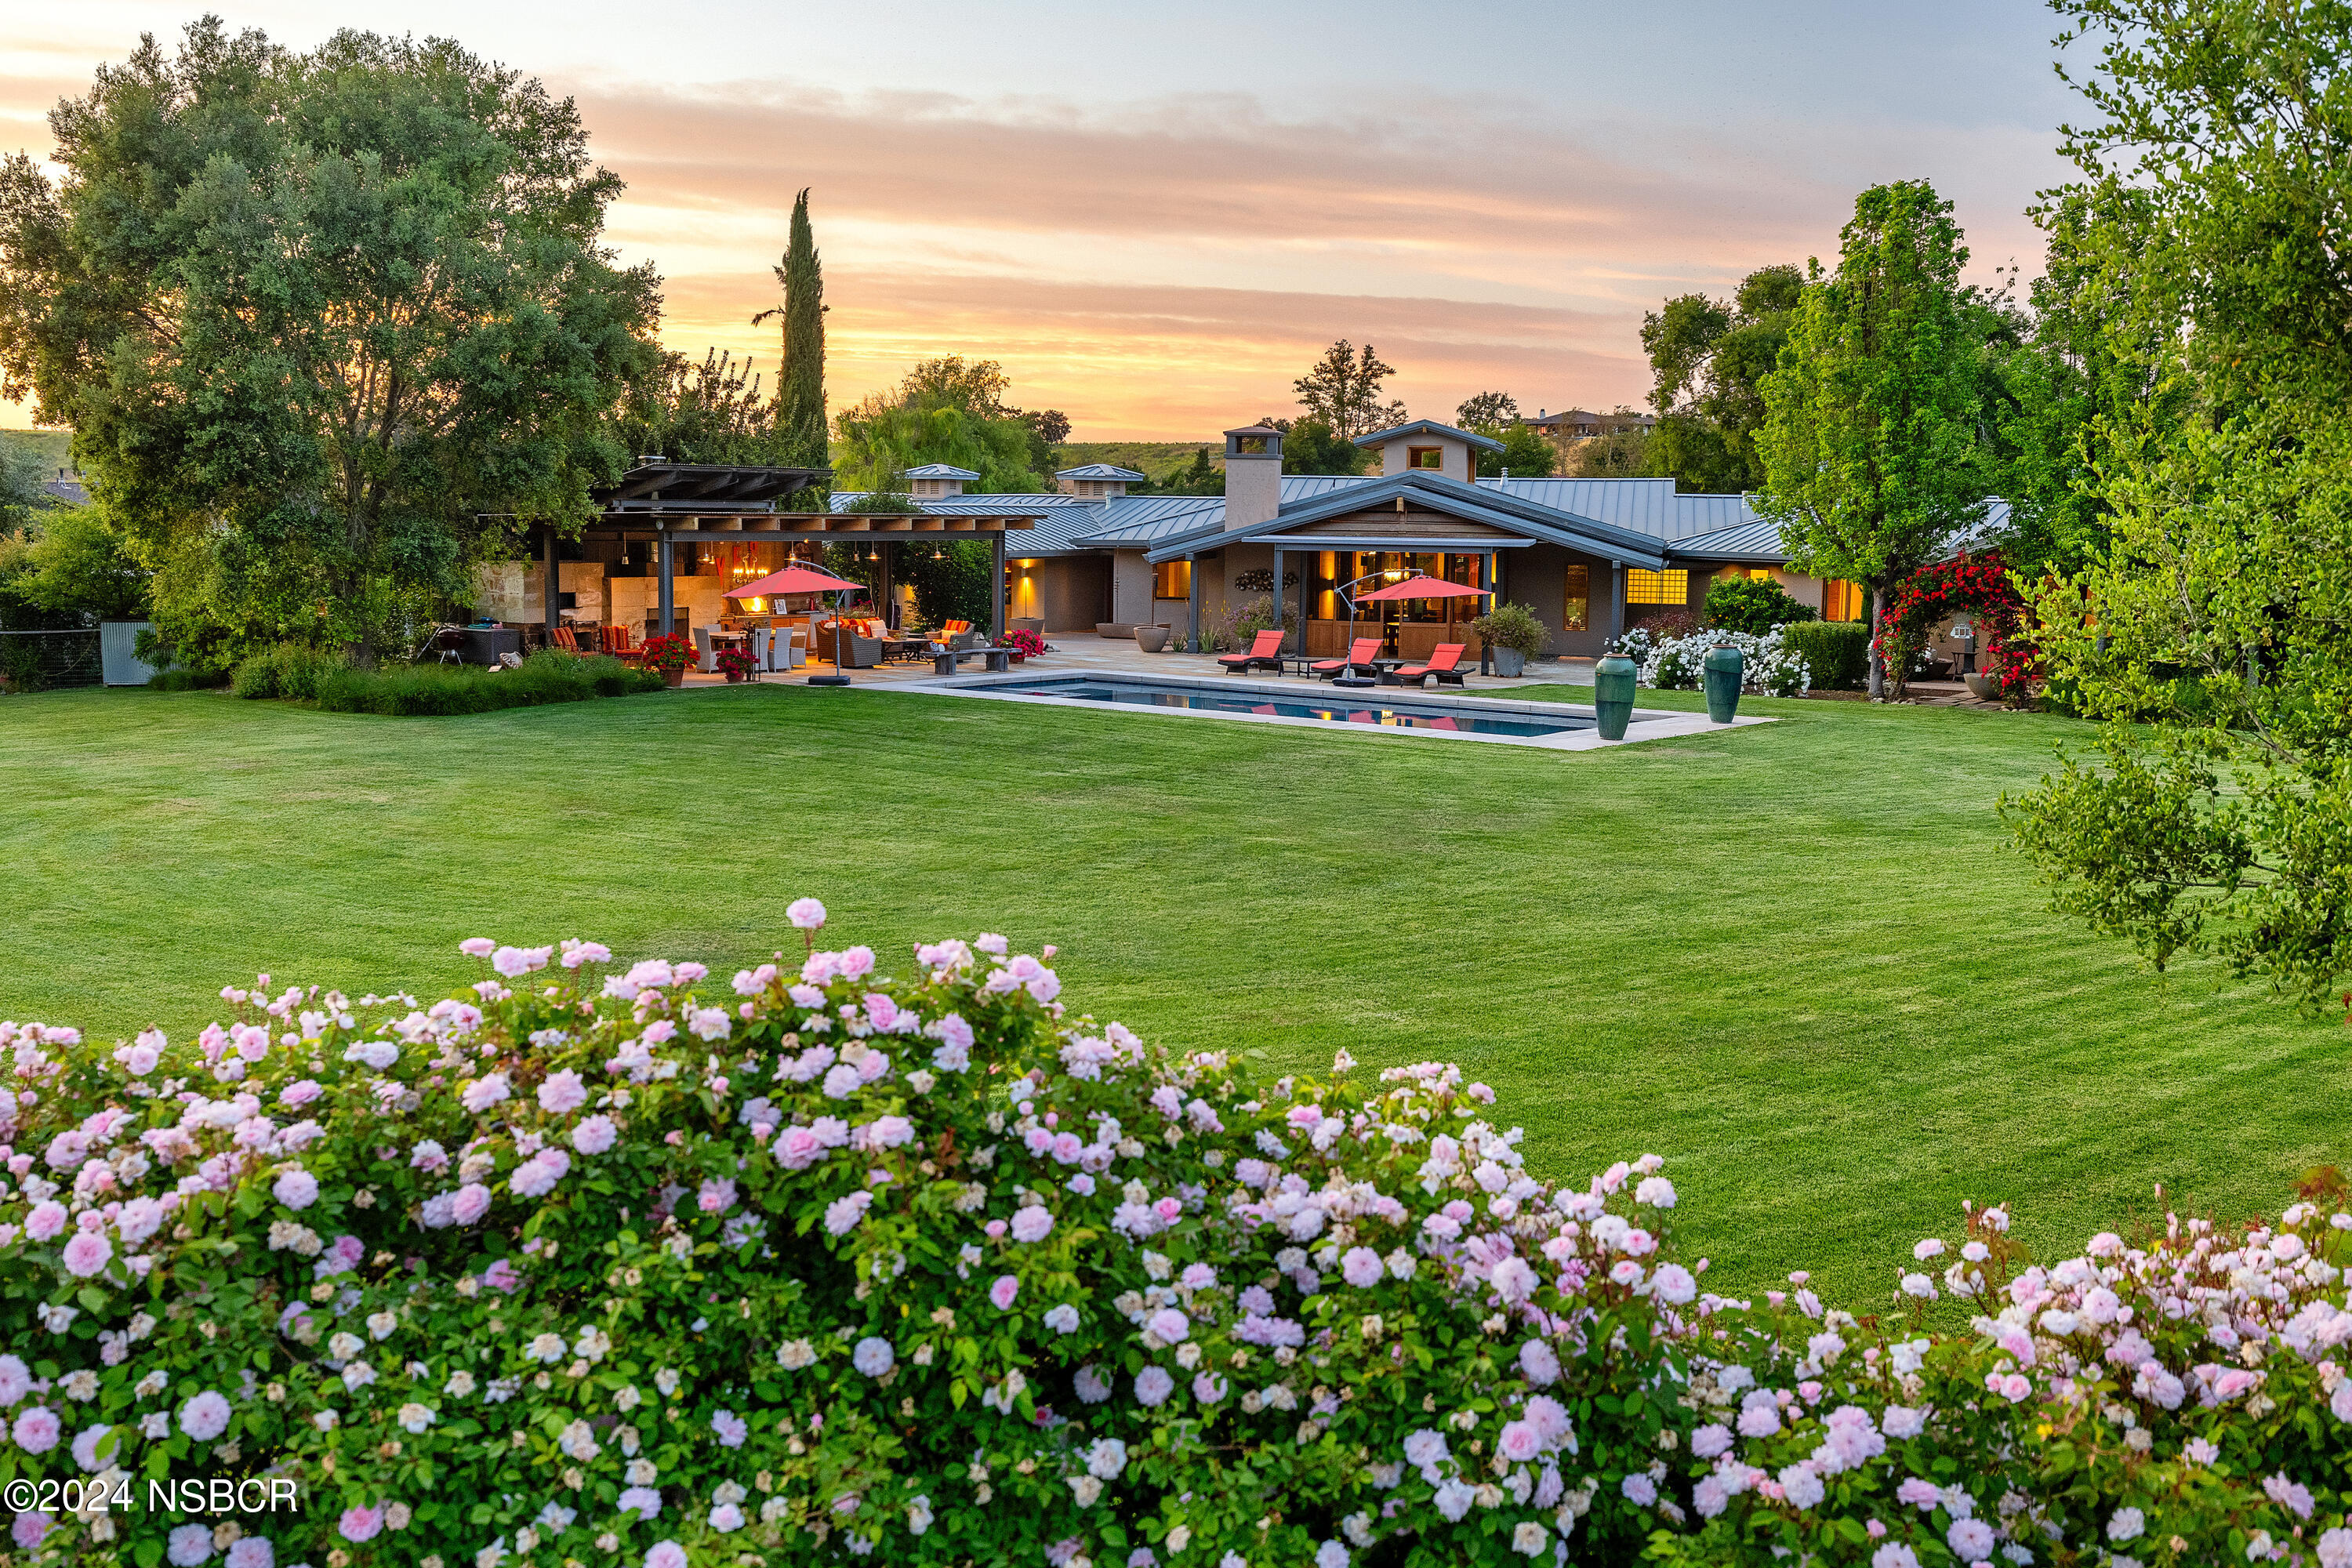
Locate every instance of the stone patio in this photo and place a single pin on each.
(1083, 653)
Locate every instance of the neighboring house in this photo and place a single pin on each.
(1589, 557)
(1572, 428)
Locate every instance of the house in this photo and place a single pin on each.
(1589, 557)
(1570, 427)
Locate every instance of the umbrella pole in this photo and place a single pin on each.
(836, 678)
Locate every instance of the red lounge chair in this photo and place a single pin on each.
(1265, 650)
(1443, 664)
(1360, 654)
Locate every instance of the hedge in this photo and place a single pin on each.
(1837, 651)
(835, 1262)
(430, 688)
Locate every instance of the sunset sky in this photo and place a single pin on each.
(1156, 216)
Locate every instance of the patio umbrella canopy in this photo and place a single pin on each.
(791, 580)
(1423, 587)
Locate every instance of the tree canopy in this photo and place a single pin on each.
(1341, 392)
(316, 317)
(948, 410)
(1486, 411)
(1709, 358)
(1870, 438)
(2203, 262)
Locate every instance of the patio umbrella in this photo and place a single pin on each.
(799, 579)
(1423, 587)
(1418, 587)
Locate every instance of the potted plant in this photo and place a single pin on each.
(735, 662)
(1154, 639)
(670, 655)
(1024, 644)
(1512, 635)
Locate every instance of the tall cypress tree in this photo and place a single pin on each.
(800, 392)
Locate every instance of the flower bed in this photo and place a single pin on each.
(594, 1264)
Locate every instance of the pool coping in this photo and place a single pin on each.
(1647, 724)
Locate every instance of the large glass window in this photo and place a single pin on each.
(1424, 457)
(1842, 601)
(1172, 580)
(1658, 587)
(1575, 609)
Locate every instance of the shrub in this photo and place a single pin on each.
(833, 1262)
(1752, 605)
(1513, 626)
(292, 670)
(1766, 666)
(185, 680)
(1668, 625)
(420, 690)
(1837, 652)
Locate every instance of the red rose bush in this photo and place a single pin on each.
(601, 1264)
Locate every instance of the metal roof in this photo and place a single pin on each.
(1100, 471)
(1471, 503)
(989, 505)
(1144, 520)
(1755, 540)
(941, 471)
(1430, 427)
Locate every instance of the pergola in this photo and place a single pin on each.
(669, 504)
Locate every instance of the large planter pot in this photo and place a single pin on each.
(1612, 694)
(1980, 687)
(734, 678)
(1509, 661)
(1112, 629)
(673, 678)
(1153, 639)
(1720, 673)
(1027, 624)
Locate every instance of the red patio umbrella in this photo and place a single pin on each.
(794, 579)
(1423, 587)
(798, 579)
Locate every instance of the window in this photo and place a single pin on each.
(1658, 587)
(1842, 601)
(1424, 457)
(1576, 612)
(1172, 580)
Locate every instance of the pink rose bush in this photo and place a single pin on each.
(619, 1265)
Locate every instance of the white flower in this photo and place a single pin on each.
(873, 1356)
(2126, 1524)
(795, 1354)
(1086, 1489)
(415, 1418)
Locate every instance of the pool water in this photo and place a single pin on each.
(1361, 708)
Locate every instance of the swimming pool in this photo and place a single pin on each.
(1392, 708)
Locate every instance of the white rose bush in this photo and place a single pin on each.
(598, 1263)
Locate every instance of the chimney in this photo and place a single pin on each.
(1252, 476)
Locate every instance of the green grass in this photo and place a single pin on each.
(54, 448)
(1794, 959)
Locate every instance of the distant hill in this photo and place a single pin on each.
(1159, 459)
(56, 446)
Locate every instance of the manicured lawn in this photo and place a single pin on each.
(1795, 960)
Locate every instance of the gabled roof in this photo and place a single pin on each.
(1433, 492)
(941, 471)
(1143, 520)
(1429, 428)
(1099, 471)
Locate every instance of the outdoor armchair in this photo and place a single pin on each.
(1265, 650)
(1443, 664)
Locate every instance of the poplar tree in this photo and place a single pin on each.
(1869, 444)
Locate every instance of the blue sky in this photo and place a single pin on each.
(1154, 215)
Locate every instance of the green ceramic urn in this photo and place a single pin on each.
(1612, 694)
(1720, 673)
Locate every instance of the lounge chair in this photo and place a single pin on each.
(1360, 655)
(1265, 648)
(1445, 664)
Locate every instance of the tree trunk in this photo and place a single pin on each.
(1877, 619)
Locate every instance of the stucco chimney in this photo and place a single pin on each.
(1252, 476)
